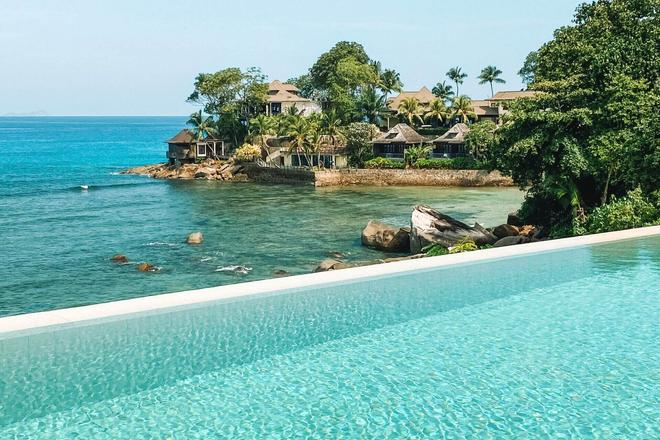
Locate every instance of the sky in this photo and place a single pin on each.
(140, 57)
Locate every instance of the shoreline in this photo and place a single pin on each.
(230, 171)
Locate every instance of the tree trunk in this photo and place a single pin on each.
(603, 198)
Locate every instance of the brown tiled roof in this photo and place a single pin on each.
(511, 95)
(455, 135)
(424, 96)
(483, 108)
(185, 136)
(400, 134)
(276, 86)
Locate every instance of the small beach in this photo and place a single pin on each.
(59, 256)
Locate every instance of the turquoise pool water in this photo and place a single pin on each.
(56, 240)
(554, 345)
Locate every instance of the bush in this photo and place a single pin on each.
(631, 211)
(383, 163)
(358, 137)
(413, 155)
(248, 152)
(457, 163)
(465, 245)
(466, 163)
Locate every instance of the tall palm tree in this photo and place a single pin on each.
(410, 110)
(443, 91)
(330, 125)
(202, 126)
(299, 131)
(261, 126)
(437, 111)
(372, 105)
(462, 108)
(455, 74)
(490, 74)
(390, 81)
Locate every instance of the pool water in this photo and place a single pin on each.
(554, 345)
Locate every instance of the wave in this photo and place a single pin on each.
(107, 186)
(161, 243)
(235, 269)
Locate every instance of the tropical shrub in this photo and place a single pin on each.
(248, 152)
(435, 250)
(358, 136)
(414, 154)
(465, 245)
(631, 211)
(383, 163)
(466, 163)
(480, 138)
(435, 164)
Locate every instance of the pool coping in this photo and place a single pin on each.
(18, 324)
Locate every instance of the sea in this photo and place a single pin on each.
(66, 209)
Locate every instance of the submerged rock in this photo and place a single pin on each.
(119, 258)
(432, 227)
(195, 238)
(331, 264)
(281, 273)
(146, 267)
(385, 237)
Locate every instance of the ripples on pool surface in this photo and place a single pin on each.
(557, 344)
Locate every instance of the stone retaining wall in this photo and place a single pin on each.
(411, 177)
(295, 176)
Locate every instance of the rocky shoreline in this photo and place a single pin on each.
(228, 170)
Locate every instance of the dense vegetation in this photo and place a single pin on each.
(456, 163)
(591, 137)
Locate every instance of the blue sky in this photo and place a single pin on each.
(130, 57)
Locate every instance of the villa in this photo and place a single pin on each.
(281, 154)
(396, 140)
(184, 148)
(423, 95)
(452, 143)
(283, 96)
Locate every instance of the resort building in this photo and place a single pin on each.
(184, 148)
(396, 140)
(423, 95)
(452, 143)
(332, 153)
(486, 110)
(283, 96)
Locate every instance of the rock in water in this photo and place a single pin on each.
(432, 227)
(119, 258)
(330, 264)
(385, 237)
(195, 238)
(146, 267)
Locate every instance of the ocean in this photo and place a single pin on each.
(56, 239)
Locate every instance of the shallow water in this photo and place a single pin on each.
(56, 239)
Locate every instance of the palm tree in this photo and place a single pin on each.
(261, 126)
(491, 74)
(390, 81)
(437, 111)
(410, 110)
(443, 91)
(462, 108)
(330, 125)
(372, 105)
(202, 126)
(299, 131)
(315, 141)
(455, 74)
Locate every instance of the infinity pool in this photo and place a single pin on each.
(555, 344)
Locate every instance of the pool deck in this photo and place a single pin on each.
(17, 325)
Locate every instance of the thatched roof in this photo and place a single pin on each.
(185, 136)
(276, 86)
(511, 95)
(400, 134)
(283, 96)
(424, 96)
(483, 108)
(455, 135)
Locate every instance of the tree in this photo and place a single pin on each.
(462, 109)
(437, 111)
(480, 138)
(261, 126)
(457, 76)
(410, 110)
(229, 126)
(443, 91)
(358, 137)
(299, 131)
(490, 74)
(331, 125)
(372, 105)
(591, 134)
(390, 81)
(202, 125)
(526, 72)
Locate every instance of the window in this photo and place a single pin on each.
(201, 150)
(276, 108)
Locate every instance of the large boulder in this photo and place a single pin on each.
(386, 237)
(331, 264)
(506, 230)
(119, 258)
(509, 241)
(195, 238)
(514, 219)
(432, 227)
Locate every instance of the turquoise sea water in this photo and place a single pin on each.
(56, 240)
(554, 345)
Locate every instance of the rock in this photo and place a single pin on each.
(511, 240)
(541, 233)
(119, 258)
(514, 219)
(280, 273)
(409, 257)
(330, 264)
(385, 237)
(528, 230)
(195, 238)
(505, 230)
(336, 255)
(432, 227)
(204, 173)
(146, 267)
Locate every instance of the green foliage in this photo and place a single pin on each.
(456, 75)
(202, 126)
(410, 110)
(526, 72)
(466, 163)
(443, 91)
(384, 163)
(490, 75)
(462, 109)
(248, 152)
(631, 211)
(480, 138)
(592, 132)
(358, 136)
(414, 154)
(437, 112)
(372, 105)
(464, 245)
(456, 163)
(435, 250)
(432, 131)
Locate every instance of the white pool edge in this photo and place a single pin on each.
(114, 309)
